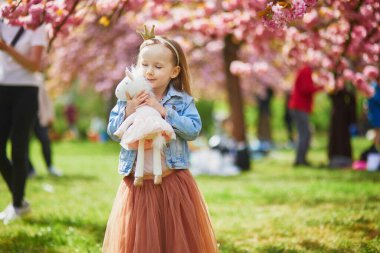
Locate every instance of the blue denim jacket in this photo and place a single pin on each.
(181, 114)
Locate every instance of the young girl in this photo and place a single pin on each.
(171, 217)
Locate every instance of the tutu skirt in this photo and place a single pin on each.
(167, 218)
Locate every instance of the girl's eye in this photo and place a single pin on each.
(159, 67)
(144, 64)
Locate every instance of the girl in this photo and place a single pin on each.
(171, 217)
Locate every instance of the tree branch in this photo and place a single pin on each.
(62, 24)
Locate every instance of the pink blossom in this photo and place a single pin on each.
(260, 68)
(366, 10)
(299, 8)
(339, 84)
(359, 78)
(370, 72)
(359, 32)
(348, 75)
(240, 68)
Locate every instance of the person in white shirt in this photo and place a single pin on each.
(20, 61)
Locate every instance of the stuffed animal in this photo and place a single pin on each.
(143, 129)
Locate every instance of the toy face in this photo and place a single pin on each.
(131, 85)
(121, 89)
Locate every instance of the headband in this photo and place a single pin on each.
(149, 35)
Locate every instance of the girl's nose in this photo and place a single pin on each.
(149, 72)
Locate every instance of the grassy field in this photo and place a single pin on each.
(272, 208)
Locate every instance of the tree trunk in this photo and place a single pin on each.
(342, 116)
(233, 89)
(235, 100)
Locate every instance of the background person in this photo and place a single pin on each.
(20, 58)
(41, 131)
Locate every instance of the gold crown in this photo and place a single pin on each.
(147, 35)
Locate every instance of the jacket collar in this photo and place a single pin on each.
(172, 92)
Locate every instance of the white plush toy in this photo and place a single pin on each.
(143, 129)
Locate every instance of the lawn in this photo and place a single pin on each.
(272, 208)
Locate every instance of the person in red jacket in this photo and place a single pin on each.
(301, 105)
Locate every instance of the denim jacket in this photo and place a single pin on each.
(181, 114)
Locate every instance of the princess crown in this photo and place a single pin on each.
(147, 35)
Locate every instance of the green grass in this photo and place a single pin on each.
(273, 208)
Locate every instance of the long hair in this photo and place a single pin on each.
(182, 81)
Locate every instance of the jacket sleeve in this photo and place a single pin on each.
(188, 125)
(116, 118)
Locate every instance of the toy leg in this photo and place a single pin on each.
(158, 142)
(157, 168)
(139, 173)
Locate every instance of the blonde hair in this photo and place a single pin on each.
(182, 81)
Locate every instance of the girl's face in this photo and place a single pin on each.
(156, 62)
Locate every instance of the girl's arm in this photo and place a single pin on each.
(188, 125)
(116, 118)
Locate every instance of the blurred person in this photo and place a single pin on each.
(41, 131)
(301, 105)
(374, 112)
(71, 116)
(220, 157)
(373, 115)
(21, 54)
(97, 130)
(363, 122)
(288, 119)
(264, 128)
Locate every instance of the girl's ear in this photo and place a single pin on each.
(175, 72)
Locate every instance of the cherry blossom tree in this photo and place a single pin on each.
(236, 24)
(342, 39)
(99, 62)
(231, 24)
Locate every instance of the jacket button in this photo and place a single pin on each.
(173, 107)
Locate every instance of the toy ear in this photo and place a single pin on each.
(121, 89)
(129, 74)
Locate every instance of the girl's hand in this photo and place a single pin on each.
(152, 102)
(137, 100)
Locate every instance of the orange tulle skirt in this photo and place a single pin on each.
(167, 218)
